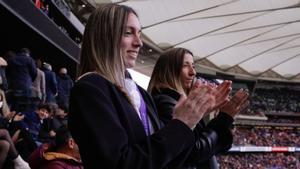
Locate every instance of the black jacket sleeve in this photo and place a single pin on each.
(210, 140)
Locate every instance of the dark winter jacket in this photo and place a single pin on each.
(51, 85)
(21, 72)
(64, 84)
(211, 139)
(110, 133)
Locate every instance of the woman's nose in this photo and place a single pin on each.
(138, 41)
(192, 71)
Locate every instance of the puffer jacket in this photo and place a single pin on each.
(43, 158)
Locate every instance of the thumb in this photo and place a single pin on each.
(197, 83)
(181, 100)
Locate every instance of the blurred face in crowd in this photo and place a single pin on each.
(131, 41)
(43, 113)
(77, 152)
(74, 149)
(61, 113)
(63, 71)
(39, 63)
(188, 72)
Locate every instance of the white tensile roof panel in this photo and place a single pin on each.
(242, 53)
(177, 32)
(155, 11)
(281, 31)
(208, 46)
(266, 61)
(255, 35)
(289, 68)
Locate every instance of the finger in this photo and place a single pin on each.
(208, 104)
(222, 104)
(199, 92)
(181, 100)
(245, 97)
(224, 88)
(213, 85)
(193, 93)
(203, 105)
(222, 99)
(202, 93)
(224, 84)
(243, 107)
(241, 97)
(224, 94)
(194, 97)
(197, 83)
(237, 97)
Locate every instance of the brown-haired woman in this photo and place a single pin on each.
(173, 76)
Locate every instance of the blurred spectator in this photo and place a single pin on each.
(51, 83)
(21, 72)
(45, 9)
(61, 117)
(4, 109)
(64, 83)
(8, 151)
(32, 121)
(3, 80)
(39, 3)
(38, 91)
(58, 117)
(8, 120)
(64, 153)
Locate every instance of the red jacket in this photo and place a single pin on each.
(42, 158)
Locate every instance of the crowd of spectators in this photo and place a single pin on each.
(260, 161)
(266, 136)
(284, 119)
(276, 100)
(34, 101)
(268, 100)
(250, 112)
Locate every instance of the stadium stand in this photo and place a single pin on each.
(266, 134)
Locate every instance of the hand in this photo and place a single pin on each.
(192, 108)
(11, 115)
(15, 137)
(237, 103)
(19, 117)
(221, 93)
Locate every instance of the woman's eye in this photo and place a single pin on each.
(128, 33)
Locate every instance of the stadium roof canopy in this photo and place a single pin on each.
(247, 38)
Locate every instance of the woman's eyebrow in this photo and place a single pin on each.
(133, 28)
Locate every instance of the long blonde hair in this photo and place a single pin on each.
(100, 50)
(166, 72)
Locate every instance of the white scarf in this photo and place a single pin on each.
(134, 94)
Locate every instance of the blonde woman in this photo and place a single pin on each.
(113, 120)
